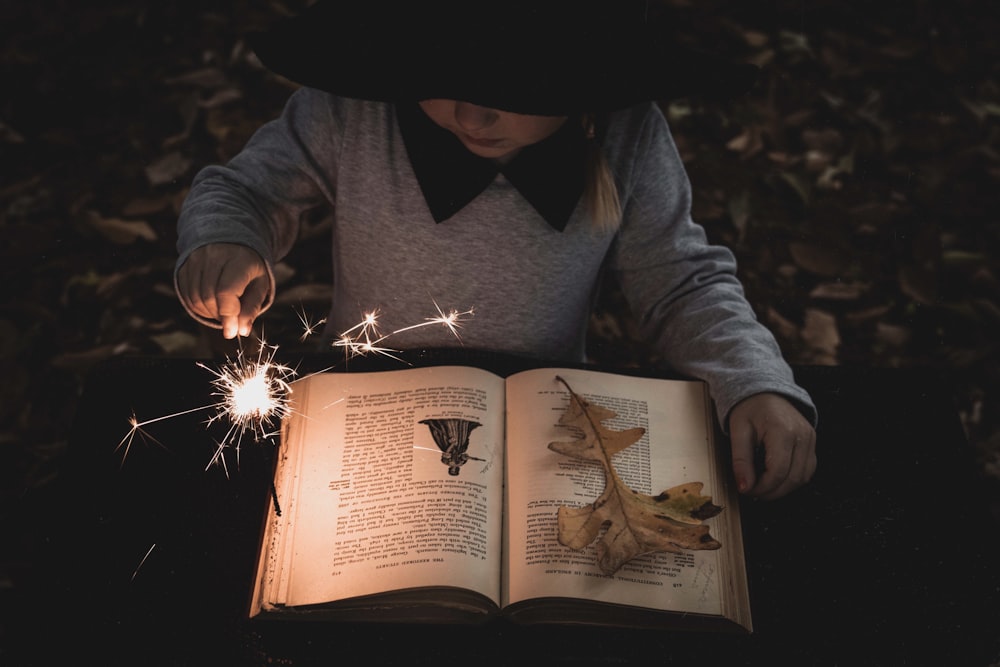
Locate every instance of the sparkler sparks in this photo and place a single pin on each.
(308, 327)
(139, 566)
(452, 321)
(137, 430)
(254, 391)
(253, 395)
(365, 337)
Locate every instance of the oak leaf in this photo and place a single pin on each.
(635, 523)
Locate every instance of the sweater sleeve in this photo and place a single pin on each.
(258, 199)
(684, 291)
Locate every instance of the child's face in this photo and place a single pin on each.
(490, 133)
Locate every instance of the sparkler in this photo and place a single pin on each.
(254, 391)
(253, 395)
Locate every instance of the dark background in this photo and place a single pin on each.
(858, 184)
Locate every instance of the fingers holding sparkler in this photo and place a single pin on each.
(225, 282)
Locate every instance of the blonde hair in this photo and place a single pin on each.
(600, 192)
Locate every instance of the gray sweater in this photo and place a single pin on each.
(530, 285)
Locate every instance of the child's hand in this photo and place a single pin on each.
(225, 282)
(787, 439)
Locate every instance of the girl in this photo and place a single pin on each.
(499, 159)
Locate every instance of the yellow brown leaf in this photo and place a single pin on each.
(634, 523)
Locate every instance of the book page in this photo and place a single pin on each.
(394, 480)
(674, 450)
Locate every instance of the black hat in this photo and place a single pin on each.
(546, 57)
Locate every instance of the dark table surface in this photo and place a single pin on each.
(889, 556)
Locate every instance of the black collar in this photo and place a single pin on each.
(549, 174)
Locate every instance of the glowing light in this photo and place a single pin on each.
(253, 395)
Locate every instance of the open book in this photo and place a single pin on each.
(430, 495)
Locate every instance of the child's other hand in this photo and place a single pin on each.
(788, 442)
(225, 282)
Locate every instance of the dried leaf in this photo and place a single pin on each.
(794, 43)
(919, 283)
(867, 315)
(762, 58)
(832, 175)
(636, 524)
(903, 48)
(121, 231)
(9, 135)
(16, 188)
(143, 206)
(872, 216)
(839, 291)
(207, 77)
(826, 140)
(739, 214)
(176, 342)
(823, 260)
(893, 334)
(305, 293)
(9, 336)
(188, 109)
(747, 143)
(821, 334)
(781, 326)
(755, 38)
(982, 110)
(963, 258)
(799, 186)
(283, 272)
(85, 359)
(817, 160)
(221, 97)
(171, 167)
